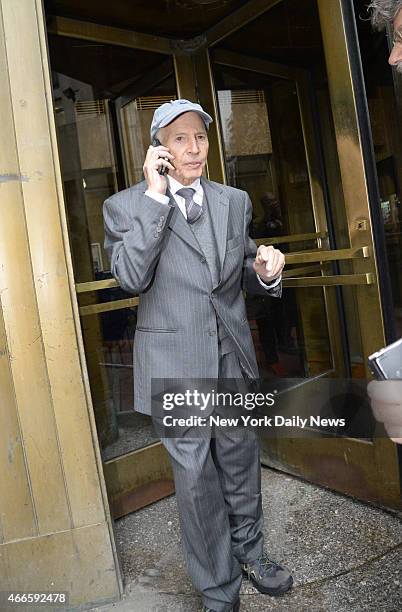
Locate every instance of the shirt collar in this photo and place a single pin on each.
(174, 185)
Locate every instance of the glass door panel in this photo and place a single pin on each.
(290, 136)
(104, 99)
(265, 154)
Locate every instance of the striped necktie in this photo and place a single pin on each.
(193, 210)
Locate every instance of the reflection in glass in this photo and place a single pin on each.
(265, 155)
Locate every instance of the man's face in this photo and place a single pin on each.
(395, 58)
(186, 138)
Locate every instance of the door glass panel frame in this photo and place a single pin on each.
(316, 181)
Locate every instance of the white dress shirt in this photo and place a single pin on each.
(198, 197)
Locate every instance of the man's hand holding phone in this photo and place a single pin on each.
(157, 164)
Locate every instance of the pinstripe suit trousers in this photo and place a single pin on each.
(218, 492)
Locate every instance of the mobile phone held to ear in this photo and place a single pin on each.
(163, 170)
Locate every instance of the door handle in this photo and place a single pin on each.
(327, 281)
(333, 255)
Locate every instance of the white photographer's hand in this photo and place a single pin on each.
(386, 404)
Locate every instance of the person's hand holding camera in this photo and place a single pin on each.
(386, 404)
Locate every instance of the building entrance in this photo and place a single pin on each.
(277, 78)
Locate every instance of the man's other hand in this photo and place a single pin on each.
(386, 404)
(268, 263)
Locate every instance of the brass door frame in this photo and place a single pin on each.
(53, 502)
(96, 32)
(194, 75)
(352, 167)
(354, 182)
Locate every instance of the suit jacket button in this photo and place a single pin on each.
(212, 332)
(203, 260)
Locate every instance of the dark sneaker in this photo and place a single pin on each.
(235, 608)
(267, 576)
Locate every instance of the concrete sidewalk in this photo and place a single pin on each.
(345, 556)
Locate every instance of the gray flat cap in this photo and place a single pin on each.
(165, 113)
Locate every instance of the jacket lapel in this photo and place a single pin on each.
(178, 224)
(218, 205)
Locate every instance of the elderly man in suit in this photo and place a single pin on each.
(181, 243)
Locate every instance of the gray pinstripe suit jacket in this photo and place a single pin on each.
(154, 253)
